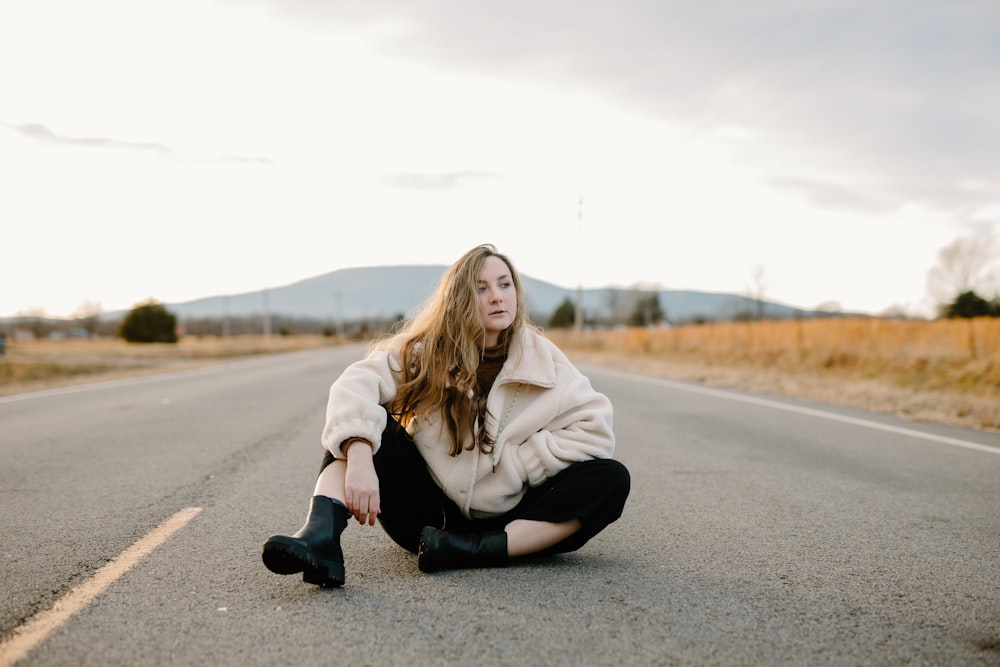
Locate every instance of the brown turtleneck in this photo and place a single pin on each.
(489, 367)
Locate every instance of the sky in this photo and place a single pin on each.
(815, 153)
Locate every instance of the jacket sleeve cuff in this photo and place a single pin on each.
(535, 471)
(356, 429)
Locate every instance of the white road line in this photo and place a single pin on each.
(812, 412)
(31, 634)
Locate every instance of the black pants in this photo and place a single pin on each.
(592, 491)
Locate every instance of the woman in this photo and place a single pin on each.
(468, 435)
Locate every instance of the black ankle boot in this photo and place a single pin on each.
(440, 550)
(315, 549)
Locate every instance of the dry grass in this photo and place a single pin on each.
(944, 371)
(35, 365)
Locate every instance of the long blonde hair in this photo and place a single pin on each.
(443, 345)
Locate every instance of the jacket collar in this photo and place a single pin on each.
(529, 361)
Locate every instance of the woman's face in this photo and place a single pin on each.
(497, 298)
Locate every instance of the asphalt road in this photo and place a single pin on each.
(760, 531)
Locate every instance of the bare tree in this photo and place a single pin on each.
(964, 265)
(88, 313)
(36, 319)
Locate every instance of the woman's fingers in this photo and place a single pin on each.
(373, 508)
(361, 486)
(364, 507)
(368, 509)
(362, 514)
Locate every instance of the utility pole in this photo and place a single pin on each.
(578, 310)
(267, 317)
(338, 319)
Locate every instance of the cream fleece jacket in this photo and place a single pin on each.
(547, 413)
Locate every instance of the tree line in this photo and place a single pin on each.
(957, 282)
(153, 322)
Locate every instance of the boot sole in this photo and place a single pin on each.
(289, 557)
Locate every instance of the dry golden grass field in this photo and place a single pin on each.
(945, 371)
(44, 364)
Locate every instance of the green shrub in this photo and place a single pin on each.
(149, 322)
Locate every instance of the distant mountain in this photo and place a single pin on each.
(376, 293)
(344, 295)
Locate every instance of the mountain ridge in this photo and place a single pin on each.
(386, 292)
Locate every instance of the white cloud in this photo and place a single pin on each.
(187, 149)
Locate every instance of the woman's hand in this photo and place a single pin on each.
(361, 483)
